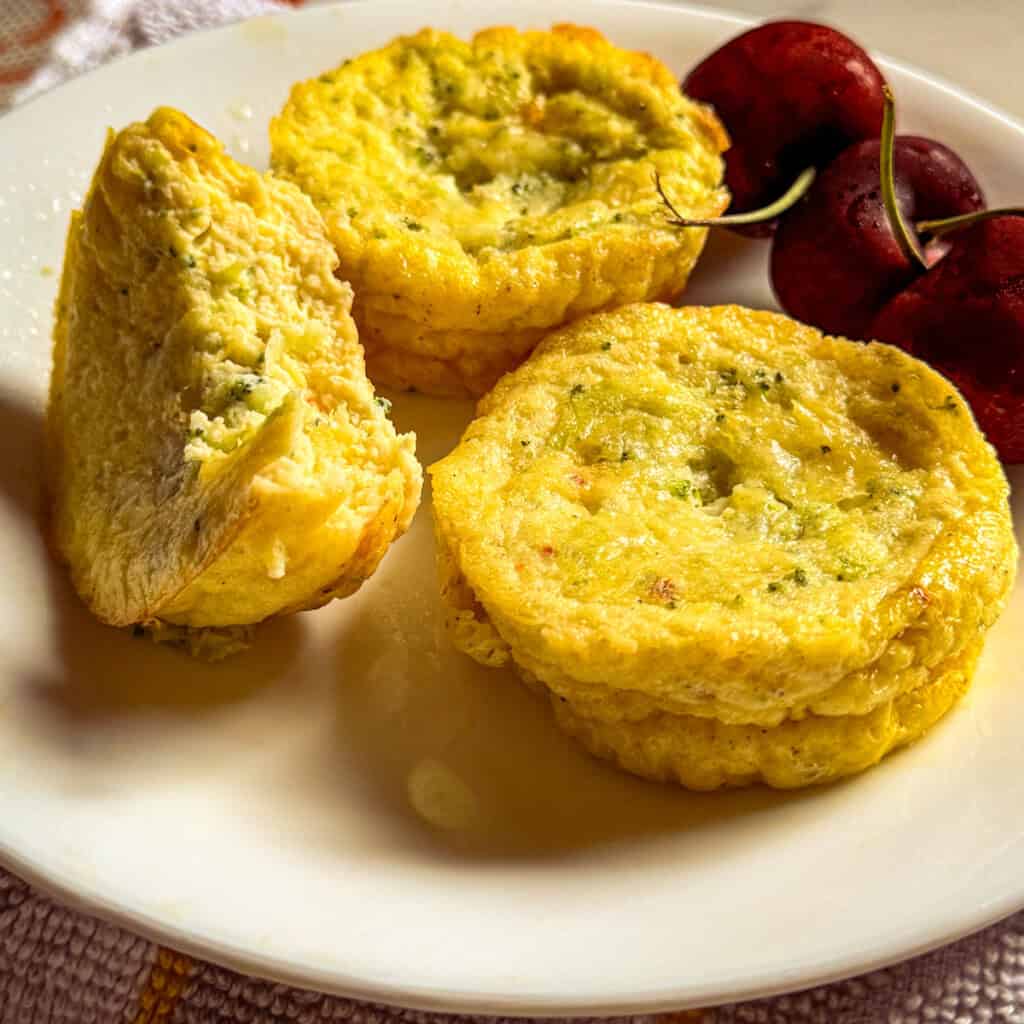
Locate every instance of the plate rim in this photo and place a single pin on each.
(902, 945)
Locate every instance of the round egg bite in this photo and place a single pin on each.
(480, 194)
(730, 548)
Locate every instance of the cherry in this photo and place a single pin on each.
(839, 256)
(791, 94)
(965, 317)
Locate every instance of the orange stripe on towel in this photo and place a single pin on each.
(164, 986)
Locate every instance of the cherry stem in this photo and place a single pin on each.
(789, 198)
(937, 228)
(904, 235)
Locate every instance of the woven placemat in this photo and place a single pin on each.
(57, 965)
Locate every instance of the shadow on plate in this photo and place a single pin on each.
(437, 422)
(103, 673)
(743, 262)
(99, 672)
(21, 447)
(466, 758)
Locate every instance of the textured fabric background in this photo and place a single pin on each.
(44, 42)
(57, 965)
(61, 967)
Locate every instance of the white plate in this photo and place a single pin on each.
(258, 813)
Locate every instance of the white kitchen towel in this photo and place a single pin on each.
(44, 42)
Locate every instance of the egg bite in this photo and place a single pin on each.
(217, 455)
(481, 193)
(728, 548)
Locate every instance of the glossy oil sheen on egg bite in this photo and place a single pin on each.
(722, 513)
(481, 192)
(217, 455)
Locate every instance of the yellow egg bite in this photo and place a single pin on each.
(481, 193)
(718, 523)
(217, 455)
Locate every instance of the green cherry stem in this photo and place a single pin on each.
(904, 235)
(789, 198)
(937, 228)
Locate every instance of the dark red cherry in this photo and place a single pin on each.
(791, 95)
(835, 259)
(965, 317)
